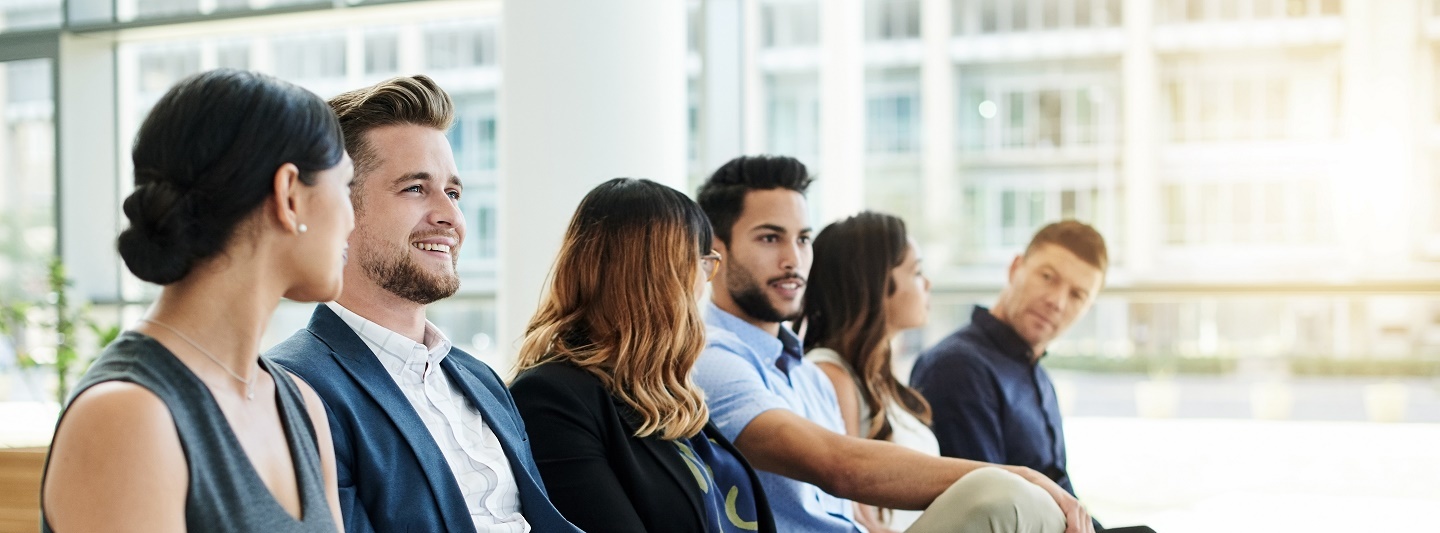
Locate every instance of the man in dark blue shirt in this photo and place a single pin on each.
(990, 398)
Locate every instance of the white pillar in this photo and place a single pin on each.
(591, 91)
(1378, 64)
(753, 129)
(723, 95)
(937, 121)
(89, 201)
(842, 108)
(1139, 81)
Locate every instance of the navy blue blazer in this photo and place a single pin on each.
(391, 474)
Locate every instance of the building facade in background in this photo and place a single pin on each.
(1266, 171)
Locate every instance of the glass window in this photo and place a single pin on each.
(1228, 10)
(1008, 212)
(234, 55)
(30, 15)
(1050, 118)
(1015, 134)
(976, 112)
(893, 112)
(459, 47)
(1274, 200)
(892, 19)
(792, 116)
(1194, 10)
(161, 67)
(1082, 13)
(1020, 15)
(1086, 122)
(989, 16)
(1297, 8)
(1050, 14)
(165, 8)
(231, 5)
(694, 20)
(470, 323)
(1263, 9)
(27, 178)
(480, 205)
(310, 58)
(382, 53)
(692, 123)
(1243, 213)
(790, 23)
(1277, 96)
(1176, 214)
(472, 137)
(1112, 14)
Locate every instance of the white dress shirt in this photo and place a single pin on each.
(469, 445)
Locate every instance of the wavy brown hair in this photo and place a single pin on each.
(622, 303)
(845, 309)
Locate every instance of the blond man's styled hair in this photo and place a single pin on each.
(622, 303)
(415, 100)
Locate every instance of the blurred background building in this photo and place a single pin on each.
(1266, 172)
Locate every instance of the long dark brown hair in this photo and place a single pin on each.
(845, 309)
(622, 304)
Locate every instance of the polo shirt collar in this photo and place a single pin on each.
(786, 347)
(1003, 336)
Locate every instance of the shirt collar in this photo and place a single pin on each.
(394, 347)
(785, 347)
(1003, 336)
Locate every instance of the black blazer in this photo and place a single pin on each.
(600, 476)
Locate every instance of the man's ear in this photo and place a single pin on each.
(288, 197)
(1014, 267)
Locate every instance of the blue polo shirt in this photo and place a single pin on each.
(991, 401)
(746, 371)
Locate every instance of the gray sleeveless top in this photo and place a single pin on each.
(226, 494)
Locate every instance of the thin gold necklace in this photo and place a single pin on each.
(249, 383)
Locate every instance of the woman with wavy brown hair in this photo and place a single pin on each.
(866, 286)
(619, 431)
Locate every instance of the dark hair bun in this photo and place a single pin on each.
(158, 246)
(205, 158)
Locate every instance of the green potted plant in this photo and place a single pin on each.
(67, 322)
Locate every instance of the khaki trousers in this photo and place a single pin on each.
(991, 500)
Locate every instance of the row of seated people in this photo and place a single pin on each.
(637, 407)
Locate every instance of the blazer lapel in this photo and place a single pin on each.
(667, 454)
(356, 358)
(495, 415)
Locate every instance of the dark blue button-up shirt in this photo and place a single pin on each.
(991, 399)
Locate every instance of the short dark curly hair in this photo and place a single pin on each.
(722, 196)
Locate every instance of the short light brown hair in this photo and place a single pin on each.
(1078, 237)
(404, 100)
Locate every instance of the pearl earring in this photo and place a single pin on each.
(303, 229)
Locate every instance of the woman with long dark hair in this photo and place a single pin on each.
(619, 431)
(241, 198)
(866, 286)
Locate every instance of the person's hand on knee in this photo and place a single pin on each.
(1077, 519)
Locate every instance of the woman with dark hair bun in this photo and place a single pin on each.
(866, 286)
(241, 198)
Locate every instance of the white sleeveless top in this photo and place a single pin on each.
(906, 430)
